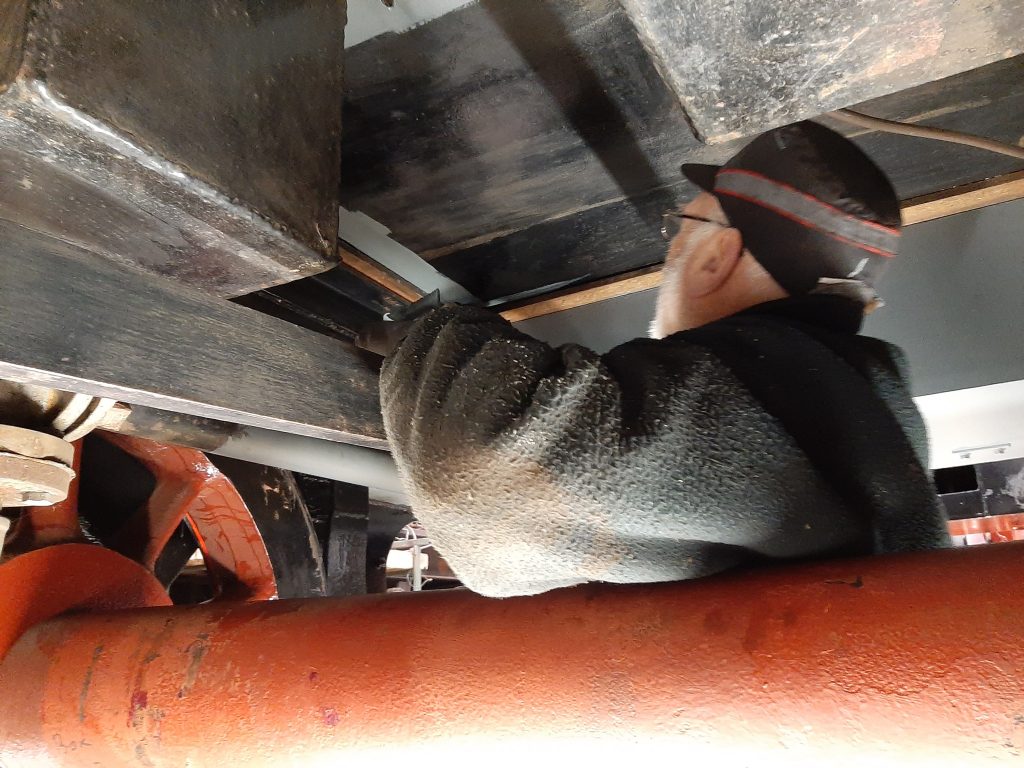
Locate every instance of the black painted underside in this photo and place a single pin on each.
(520, 144)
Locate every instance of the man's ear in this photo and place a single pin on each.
(712, 262)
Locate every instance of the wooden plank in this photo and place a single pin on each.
(967, 197)
(597, 243)
(13, 28)
(482, 151)
(233, 193)
(75, 322)
(378, 275)
(620, 236)
(959, 199)
(743, 68)
(261, 132)
(634, 282)
(499, 116)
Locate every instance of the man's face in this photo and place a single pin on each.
(674, 310)
(707, 273)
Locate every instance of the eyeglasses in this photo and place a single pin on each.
(672, 222)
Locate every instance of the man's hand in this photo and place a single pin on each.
(382, 337)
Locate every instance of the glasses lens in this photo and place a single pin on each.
(670, 224)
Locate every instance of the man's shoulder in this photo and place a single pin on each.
(828, 312)
(818, 334)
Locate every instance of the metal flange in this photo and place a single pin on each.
(35, 468)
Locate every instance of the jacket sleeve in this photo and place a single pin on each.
(491, 431)
(464, 381)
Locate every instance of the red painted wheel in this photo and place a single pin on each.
(50, 568)
(190, 488)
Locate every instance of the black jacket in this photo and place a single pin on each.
(775, 433)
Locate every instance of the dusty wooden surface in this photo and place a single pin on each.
(239, 94)
(967, 197)
(12, 38)
(201, 143)
(917, 210)
(514, 159)
(741, 68)
(75, 322)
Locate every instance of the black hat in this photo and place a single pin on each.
(809, 204)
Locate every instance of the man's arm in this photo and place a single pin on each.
(464, 380)
(481, 418)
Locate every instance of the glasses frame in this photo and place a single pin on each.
(671, 223)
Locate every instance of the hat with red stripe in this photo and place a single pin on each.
(809, 204)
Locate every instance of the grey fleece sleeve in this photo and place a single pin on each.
(477, 414)
(534, 468)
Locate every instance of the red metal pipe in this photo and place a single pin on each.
(47, 582)
(912, 660)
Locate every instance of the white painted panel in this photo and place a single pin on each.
(976, 425)
(369, 18)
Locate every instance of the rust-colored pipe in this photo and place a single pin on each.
(915, 660)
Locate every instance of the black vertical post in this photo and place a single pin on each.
(346, 542)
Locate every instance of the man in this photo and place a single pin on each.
(756, 426)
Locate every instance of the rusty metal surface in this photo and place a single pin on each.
(280, 513)
(199, 143)
(35, 468)
(348, 541)
(45, 526)
(745, 67)
(885, 661)
(26, 482)
(170, 427)
(34, 444)
(39, 585)
(189, 487)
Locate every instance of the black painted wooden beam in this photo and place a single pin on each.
(516, 160)
(75, 322)
(744, 67)
(193, 140)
